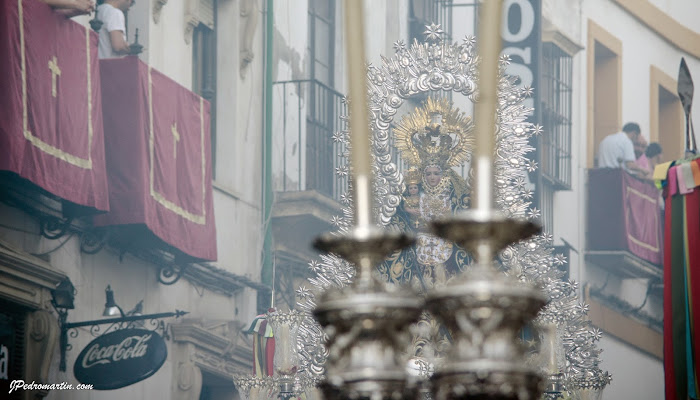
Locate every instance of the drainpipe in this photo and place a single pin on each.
(267, 195)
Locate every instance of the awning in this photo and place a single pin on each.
(158, 152)
(50, 103)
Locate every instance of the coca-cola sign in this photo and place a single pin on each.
(120, 358)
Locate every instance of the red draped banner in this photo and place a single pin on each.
(50, 103)
(682, 281)
(624, 214)
(158, 156)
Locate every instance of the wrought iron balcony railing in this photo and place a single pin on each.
(306, 115)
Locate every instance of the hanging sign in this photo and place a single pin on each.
(120, 358)
(521, 31)
(521, 34)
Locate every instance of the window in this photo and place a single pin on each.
(425, 12)
(604, 87)
(666, 118)
(547, 205)
(322, 40)
(555, 95)
(204, 73)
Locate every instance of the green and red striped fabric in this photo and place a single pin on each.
(681, 288)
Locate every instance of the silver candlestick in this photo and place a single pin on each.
(485, 309)
(367, 322)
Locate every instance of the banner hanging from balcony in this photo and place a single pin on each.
(682, 281)
(624, 214)
(50, 103)
(158, 156)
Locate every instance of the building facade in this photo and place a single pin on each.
(273, 76)
(204, 57)
(618, 62)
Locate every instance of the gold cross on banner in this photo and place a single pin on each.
(55, 71)
(176, 138)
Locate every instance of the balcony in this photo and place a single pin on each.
(307, 114)
(624, 228)
(623, 258)
(307, 191)
(51, 132)
(158, 158)
(71, 163)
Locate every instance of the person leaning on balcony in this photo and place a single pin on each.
(71, 8)
(113, 42)
(640, 146)
(651, 157)
(617, 150)
(649, 160)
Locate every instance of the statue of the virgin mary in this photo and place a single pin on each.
(432, 140)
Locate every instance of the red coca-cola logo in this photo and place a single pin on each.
(120, 358)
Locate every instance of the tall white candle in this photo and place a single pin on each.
(552, 346)
(485, 109)
(359, 121)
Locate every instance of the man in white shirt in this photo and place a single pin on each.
(113, 31)
(617, 150)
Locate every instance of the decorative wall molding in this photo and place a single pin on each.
(191, 18)
(682, 37)
(249, 21)
(562, 41)
(198, 12)
(157, 7)
(217, 347)
(597, 33)
(217, 365)
(26, 279)
(188, 383)
(41, 339)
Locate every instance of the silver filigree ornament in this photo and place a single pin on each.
(439, 66)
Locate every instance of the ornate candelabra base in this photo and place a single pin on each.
(367, 322)
(485, 309)
(555, 387)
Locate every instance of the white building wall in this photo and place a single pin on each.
(635, 374)
(684, 11)
(239, 139)
(290, 62)
(641, 48)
